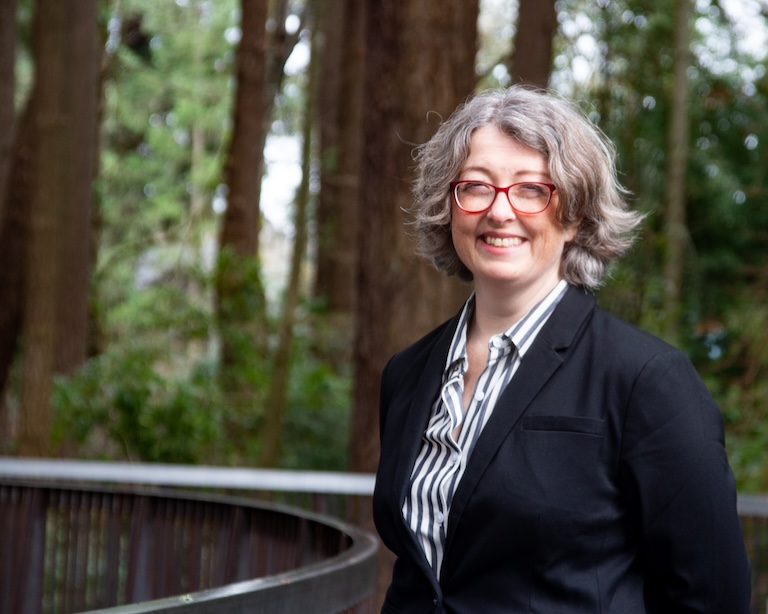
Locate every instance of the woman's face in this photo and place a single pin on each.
(501, 246)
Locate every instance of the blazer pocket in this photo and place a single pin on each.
(565, 424)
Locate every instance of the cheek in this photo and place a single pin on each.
(459, 228)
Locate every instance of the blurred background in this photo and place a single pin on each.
(204, 252)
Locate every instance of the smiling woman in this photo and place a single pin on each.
(537, 453)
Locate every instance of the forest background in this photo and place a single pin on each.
(160, 302)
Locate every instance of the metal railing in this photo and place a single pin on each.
(345, 496)
(753, 511)
(74, 547)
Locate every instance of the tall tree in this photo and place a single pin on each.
(531, 60)
(420, 64)
(239, 297)
(9, 236)
(340, 111)
(61, 172)
(13, 233)
(676, 234)
(240, 225)
(76, 224)
(7, 90)
(272, 432)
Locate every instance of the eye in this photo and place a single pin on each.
(532, 190)
(474, 188)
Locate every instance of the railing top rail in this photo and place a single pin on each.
(233, 478)
(279, 480)
(753, 505)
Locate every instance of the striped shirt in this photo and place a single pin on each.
(442, 459)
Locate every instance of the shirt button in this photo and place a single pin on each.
(440, 517)
(497, 343)
(479, 395)
(454, 457)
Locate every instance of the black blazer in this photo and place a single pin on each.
(600, 483)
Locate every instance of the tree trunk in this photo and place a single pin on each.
(7, 93)
(13, 234)
(339, 118)
(532, 54)
(674, 219)
(420, 60)
(239, 296)
(47, 185)
(62, 140)
(240, 226)
(9, 305)
(272, 433)
(81, 141)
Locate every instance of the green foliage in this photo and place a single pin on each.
(122, 405)
(316, 425)
(143, 402)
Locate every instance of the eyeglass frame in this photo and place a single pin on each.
(455, 184)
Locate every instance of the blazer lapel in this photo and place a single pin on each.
(415, 420)
(420, 409)
(543, 358)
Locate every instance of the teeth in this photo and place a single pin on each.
(506, 242)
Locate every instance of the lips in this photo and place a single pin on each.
(502, 241)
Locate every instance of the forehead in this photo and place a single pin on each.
(491, 148)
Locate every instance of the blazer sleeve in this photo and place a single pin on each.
(673, 458)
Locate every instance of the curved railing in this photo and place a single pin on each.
(74, 548)
(215, 554)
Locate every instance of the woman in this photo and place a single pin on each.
(538, 454)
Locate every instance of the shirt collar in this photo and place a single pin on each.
(518, 336)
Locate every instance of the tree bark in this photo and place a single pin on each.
(240, 226)
(532, 54)
(81, 141)
(10, 316)
(13, 235)
(7, 92)
(674, 219)
(272, 432)
(62, 140)
(240, 302)
(340, 109)
(420, 60)
(42, 250)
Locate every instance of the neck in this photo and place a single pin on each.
(498, 307)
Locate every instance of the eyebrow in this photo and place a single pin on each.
(487, 171)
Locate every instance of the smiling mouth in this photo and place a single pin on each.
(503, 242)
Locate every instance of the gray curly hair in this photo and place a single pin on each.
(581, 161)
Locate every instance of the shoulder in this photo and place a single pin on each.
(417, 367)
(420, 351)
(627, 336)
(593, 339)
(580, 324)
(650, 368)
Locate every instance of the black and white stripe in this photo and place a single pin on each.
(442, 460)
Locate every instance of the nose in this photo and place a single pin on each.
(501, 210)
